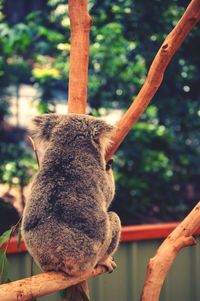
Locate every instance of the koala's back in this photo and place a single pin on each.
(65, 219)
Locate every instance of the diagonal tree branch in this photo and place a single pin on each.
(160, 264)
(42, 284)
(155, 75)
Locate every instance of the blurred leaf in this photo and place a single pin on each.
(8, 280)
(19, 238)
(5, 236)
(3, 266)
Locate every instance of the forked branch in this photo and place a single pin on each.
(160, 264)
(155, 75)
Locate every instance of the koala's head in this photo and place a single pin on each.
(72, 129)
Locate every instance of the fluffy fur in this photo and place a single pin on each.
(66, 224)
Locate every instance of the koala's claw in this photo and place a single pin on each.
(109, 264)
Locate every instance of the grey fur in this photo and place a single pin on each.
(66, 224)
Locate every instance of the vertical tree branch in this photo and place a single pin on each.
(160, 264)
(79, 55)
(155, 75)
(80, 22)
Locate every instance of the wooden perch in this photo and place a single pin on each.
(159, 265)
(41, 285)
(155, 75)
(80, 23)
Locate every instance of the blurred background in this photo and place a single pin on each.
(157, 168)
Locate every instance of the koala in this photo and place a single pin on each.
(66, 225)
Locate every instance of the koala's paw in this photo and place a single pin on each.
(109, 264)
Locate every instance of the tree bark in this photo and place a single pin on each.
(160, 264)
(42, 284)
(155, 75)
(80, 22)
(79, 55)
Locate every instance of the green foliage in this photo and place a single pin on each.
(4, 243)
(105, 88)
(4, 106)
(3, 267)
(3, 259)
(153, 176)
(17, 164)
(5, 236)
(157, 170)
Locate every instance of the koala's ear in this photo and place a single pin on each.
(43, 125)
(101, 132)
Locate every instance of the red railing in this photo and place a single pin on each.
(147, 231)
(129, 233)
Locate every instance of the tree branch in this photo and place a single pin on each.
(42, 284)
(155, 75)
(80, 22)
(160, 264)
(79, 55)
